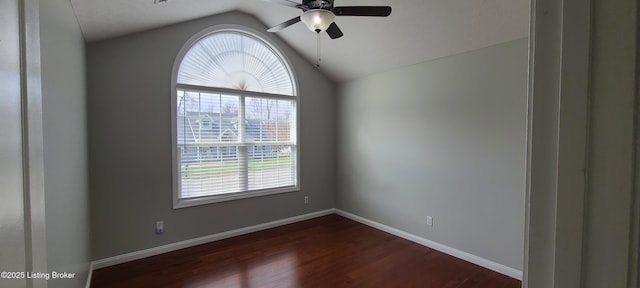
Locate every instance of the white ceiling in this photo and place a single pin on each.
(416, 31)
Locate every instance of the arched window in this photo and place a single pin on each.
(234, 119)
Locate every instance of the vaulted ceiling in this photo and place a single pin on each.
(416, 31)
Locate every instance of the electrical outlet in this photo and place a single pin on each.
(306, 199)
(159, 227)
(429, 221)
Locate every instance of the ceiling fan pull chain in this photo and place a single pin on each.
(318, 51)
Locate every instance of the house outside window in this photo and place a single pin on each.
(234, 119)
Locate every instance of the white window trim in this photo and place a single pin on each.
(189, 202)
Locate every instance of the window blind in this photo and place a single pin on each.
(234, 143)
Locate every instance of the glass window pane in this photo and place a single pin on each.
(271, 166)
(209, 171)
(207, 118)
(269, 120)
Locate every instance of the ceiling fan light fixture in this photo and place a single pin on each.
(318, 19)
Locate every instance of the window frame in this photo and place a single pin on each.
(189, 202)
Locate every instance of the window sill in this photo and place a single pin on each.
(190, 202)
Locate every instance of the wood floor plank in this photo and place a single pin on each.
(329, 251)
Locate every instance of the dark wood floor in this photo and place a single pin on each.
(329, 251)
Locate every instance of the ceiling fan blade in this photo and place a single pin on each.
(380, 11)
(333, 31)
(287, 3)
(284, 24)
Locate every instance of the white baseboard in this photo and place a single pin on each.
(502, 269)
(89, 275)
(202, 240)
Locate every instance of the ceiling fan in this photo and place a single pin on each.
(319, 15)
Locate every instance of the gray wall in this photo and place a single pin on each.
(612, 123)
(129, 90)
(12, 210)
(444, 138)
(65, 142)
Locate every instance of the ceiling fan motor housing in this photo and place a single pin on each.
(318, 4)
(319, 15)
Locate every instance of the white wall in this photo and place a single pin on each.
(65, 143)
(444, 138)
